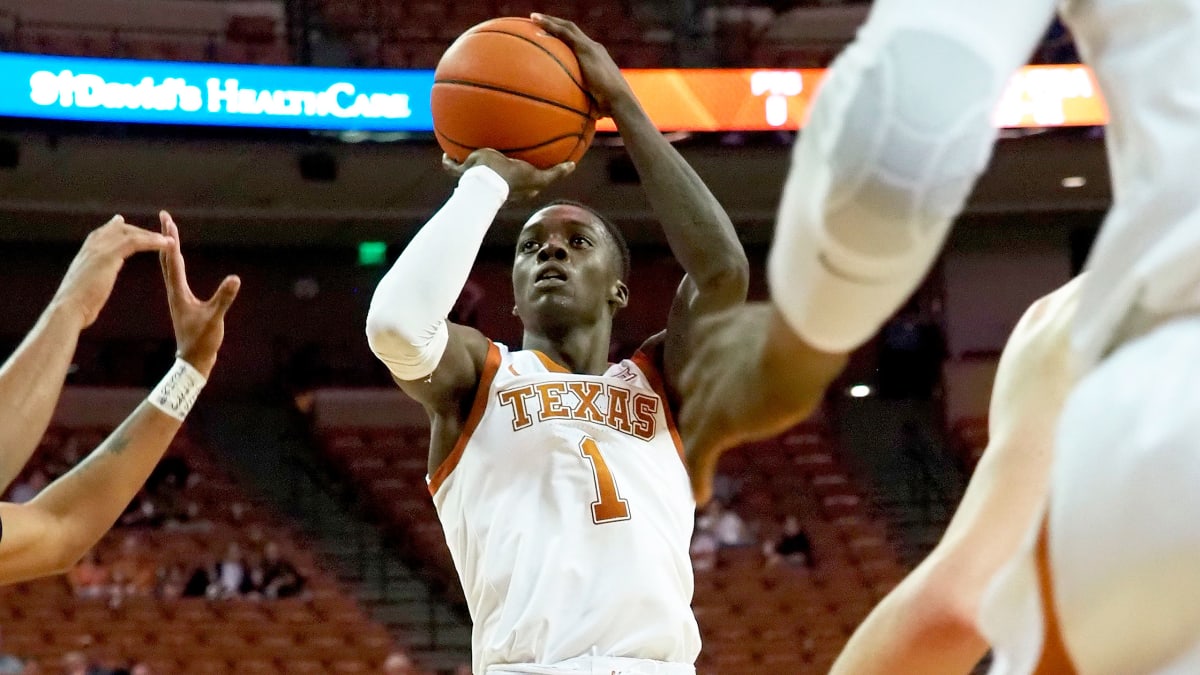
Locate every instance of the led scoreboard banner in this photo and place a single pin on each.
(766, 100)
(211, 94)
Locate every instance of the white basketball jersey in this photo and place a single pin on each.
(1146, 55)
(568, 511)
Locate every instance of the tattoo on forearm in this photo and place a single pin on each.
(116, 443)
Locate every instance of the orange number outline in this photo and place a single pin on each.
(609, 507)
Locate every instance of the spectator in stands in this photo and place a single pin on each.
(726, 525)
(76, 663)
(254, 583)
(8, 662)
(133, 573)
(48, 534)
(28, 488)
(704, 550)
(793, 546)
(398, 663)
(282, 578)
(172, 582)
(231, 572)
(202, 583)
(88, 578)
(142, 513)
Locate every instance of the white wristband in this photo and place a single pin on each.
(176, 393)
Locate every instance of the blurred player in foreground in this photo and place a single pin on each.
(49, 533)
(929, 624)
(899, 133)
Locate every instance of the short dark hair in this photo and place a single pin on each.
(614, 232)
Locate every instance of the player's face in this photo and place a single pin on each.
(564, 269)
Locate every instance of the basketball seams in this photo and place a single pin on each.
(549, 53)
(578, 138)
(490, 83)
(519, 94)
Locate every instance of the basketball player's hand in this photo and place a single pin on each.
(524, 180)
(199, 324)
(93, 273)
(603, 78)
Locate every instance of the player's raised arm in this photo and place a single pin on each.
(435, 362)
(49, 533)
(928, 625)
(699, 231)
(747, 376)
(898, 134)
(33, 376)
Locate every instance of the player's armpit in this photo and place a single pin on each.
(452, 382)
(747, 376)
(448, 393)
(31, 545)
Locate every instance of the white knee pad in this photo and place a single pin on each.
(898, 135)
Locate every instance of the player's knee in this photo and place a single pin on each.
(916, 133)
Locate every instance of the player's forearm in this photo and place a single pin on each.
(30, 383)
(406, 323)
(86, 501)
(918, 629)
(697, 228)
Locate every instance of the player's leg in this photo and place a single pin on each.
(1124, 533)
(901, 129)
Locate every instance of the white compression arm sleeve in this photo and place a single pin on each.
(899, 132)
(406, 325)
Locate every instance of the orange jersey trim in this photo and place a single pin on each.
(646, 364)
(482, 394)
(551, 364)
(1054, 660)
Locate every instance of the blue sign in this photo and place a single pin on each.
(214, 94)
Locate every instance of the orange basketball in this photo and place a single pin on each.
(506, 84)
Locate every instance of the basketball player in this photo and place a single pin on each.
(559, 478)
(897, 137)
(49, 533)
(928, 624)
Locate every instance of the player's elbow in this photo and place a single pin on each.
(728, 281)
(942, 607)
(63, 545)
(408, 355)
(389, 337)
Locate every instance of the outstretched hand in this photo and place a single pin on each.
(601, 74)
(199, 324)
(89, 281)
(524, 180)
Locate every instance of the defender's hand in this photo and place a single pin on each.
(93, 273)
(199, 325)
(524, 180)
(603, 78)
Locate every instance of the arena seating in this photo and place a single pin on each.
(323, 631)
(754, 618)
(414, 33)
(185, 30)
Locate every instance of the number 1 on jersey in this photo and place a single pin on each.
(608, 507)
